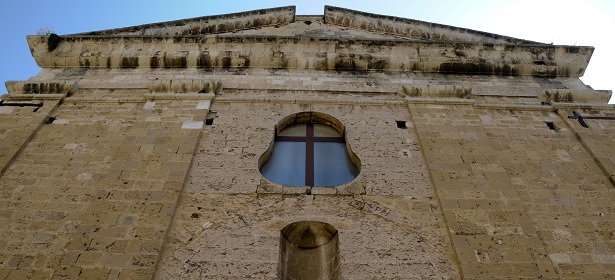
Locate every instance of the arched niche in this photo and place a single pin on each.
(309, 250)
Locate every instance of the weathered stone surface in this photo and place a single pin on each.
(227, 51)
(137, 156)
(207, 25)
(374, 43)
(96, 187)
(416, 29)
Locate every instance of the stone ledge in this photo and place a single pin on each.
(576, 96)
(175, 96)
(28, 97)
(444, 101)
(120, 85)
(271, 52)
(53, 87)
(286, 100)
(516, 107)
(331, 89)
(185, 85)
(434, 91)
(106, 99)
(140, 99)
(595, 106)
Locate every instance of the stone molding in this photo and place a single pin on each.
(413, 28)
(141, 99)
(52, 87)
(576, 96)
(29, 97)
(210, 42)
(185, 86)
(434, 91)
(284, 100)
(205, 25)
(240, 52)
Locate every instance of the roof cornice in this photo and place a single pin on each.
(446, 49)
(205, 25)
(411, 28)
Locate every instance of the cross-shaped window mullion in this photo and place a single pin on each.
(309, 140)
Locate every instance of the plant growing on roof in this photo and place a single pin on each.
(52, 42)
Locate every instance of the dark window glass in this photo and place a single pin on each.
(331, 164)
(309, 155)
(286, 165)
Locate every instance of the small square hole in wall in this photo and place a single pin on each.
(209, 119)
(551, 126)
(401, 124)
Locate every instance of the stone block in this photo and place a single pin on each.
(115, 261)
(87, 258)
(192, 125)
(94, 273)
(560, 258)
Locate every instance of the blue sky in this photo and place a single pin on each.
(561, 22)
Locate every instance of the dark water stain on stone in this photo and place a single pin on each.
(203, 61)
(84, 63)
(154, 62)
(226, 62)
(344, 64)
(377, 64)
(572, 49)
(175, 62)
(44, 87)
(129, 62)
(245, 63)
(478, 68)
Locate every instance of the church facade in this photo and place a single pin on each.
(241, 146)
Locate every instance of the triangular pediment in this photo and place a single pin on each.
(315, 27)
(340, 39)
(411, 29)
(206, 25)
(336, 23)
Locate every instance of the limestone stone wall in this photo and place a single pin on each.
(519, 198)
(134, 153)
(230, 216)
(490, 179)
(598, 137)
(19, 121)
(92, 194)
